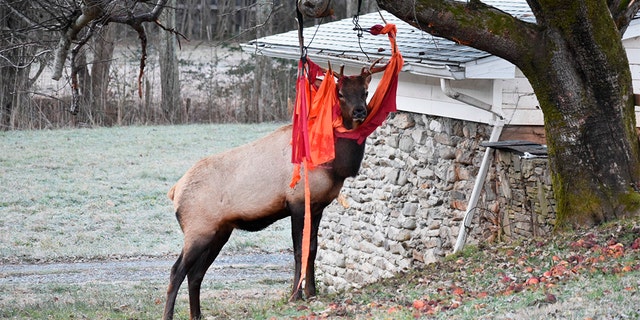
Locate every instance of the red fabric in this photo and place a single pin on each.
(316, 123)
(321, 122)
(300, 134)
(384, 99)
(312, 136)
(375, 30)
(306, 230)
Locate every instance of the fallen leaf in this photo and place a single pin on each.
(393, 310)
(518, 288)
(419, 304)
(550, 298)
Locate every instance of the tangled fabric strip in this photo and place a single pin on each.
(317, 121)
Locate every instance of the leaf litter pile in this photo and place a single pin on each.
(586, 274)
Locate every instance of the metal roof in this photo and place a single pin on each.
(422, 52)
(339, 41)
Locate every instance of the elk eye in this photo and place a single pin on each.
(340, 95)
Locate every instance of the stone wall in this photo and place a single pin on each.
(407, 203)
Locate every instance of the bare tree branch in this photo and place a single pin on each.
(272, 12)
(101, 12)
(104, 12)
(89, 13)
(24, 18)
(622, 12)
(473, 23)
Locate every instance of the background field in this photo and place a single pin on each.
(79, 194)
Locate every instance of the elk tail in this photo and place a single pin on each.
(171, 192)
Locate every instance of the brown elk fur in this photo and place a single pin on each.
(248, 188)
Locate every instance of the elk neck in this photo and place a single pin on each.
(349, 154)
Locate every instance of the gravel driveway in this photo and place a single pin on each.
(235, 268)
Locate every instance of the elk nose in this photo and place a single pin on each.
(359, 114)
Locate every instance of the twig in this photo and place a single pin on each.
(174, 31)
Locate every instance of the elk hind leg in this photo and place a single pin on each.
(178, 274)
(200, 267)
(190, 254)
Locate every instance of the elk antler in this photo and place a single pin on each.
(337, 75)
(374, 69)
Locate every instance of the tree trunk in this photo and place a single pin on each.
(262, 96)
(104, 47)
(580, 74)
(205, 20)
(224, 18)
(14, 70)
(586, 95)
(171, 103)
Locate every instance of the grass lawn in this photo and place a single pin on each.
(101, 193)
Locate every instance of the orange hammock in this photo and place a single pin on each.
(317, 121)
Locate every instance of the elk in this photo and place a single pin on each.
(248, 188)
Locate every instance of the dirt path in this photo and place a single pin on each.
(236, 268)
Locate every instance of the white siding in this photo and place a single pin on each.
(633, 54)
(422, 94)
(518, 104)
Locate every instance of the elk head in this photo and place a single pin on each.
(352, 95)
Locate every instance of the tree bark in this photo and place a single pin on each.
(580, 73)
(15, 66)
(263, 97)
(104, 47)
(589, 113)
(171, 103)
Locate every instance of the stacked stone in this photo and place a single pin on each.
(526, 199)
(406, 205)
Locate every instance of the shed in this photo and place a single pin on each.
(440, 77)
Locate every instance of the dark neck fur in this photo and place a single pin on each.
(349, 156)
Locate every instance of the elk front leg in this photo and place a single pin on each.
(310, 282)
(297, 226)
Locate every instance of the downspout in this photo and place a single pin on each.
(486, 159)
(477, 187)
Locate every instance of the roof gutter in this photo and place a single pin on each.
(445, 85)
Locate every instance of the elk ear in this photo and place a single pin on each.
(366, 75)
